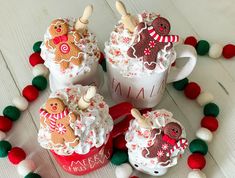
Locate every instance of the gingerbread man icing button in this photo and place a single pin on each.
(64, 44)
(152, 39)
(155, 141)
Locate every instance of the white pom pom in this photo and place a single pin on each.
(20, 102)
(204, 134)
(123, 171)
(40, 69)
(205, 98)
(196, 174)
(25, 167)
(2, 135)
(215, 51)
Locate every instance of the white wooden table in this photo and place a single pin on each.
(24, 22)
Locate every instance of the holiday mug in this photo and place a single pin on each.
(79, 164)
(146, 91)
(92, 77)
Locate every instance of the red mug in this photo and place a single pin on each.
(80, 164)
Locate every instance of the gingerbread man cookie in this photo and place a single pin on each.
(165, 143)
(58, 118)
(63, 42)
(152, 39)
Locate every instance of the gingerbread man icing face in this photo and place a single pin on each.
(173, 130)
(161, 26)
(54, 105)
(58, 27)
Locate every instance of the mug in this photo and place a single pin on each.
(79, 164)
(147, 91)
(93, 77)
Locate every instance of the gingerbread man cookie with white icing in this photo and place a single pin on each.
(152, 39)
(58, 118)
(63, 42)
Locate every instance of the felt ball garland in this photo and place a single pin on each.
(5, 124)
(213, 50)
(209, 123)
(119, 157)
(35, 59)
(11, 112)
(17, 155)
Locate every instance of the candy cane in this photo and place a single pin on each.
(181, 144)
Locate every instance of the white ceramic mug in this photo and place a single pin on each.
(93, 77)
(147, 91)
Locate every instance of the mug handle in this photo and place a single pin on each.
(117, 111)
(183, 69)
(123, 126)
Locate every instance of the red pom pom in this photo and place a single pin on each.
(101, 57)
(5, 124)
(134, 177)
(192, 90)
(16, 155)
(210, 122)
(196, 161)
(30, 93)
(228, 51)
(120, 143)
(191, 40)
(35, 59)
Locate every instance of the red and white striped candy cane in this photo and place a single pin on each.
(181, 144)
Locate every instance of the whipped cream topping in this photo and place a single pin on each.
(90, 50)
(138, 138)
(121, 40)
(92, 128)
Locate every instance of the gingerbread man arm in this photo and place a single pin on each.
(141, 26)
(50, 44)
(137, 50)
(44, 121)
(74, 37)
(169, 47)
(72, 117)
(151, 151)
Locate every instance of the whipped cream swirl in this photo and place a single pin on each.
(92, 128)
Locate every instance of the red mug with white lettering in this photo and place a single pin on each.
(80, 164)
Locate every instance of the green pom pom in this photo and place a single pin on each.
(103, 64)
(32, 175)
(181, 84)
(40, 83)
(198, 146)
(11, 112)
(36, 46)
(119, 157)
(202, 47)
(211, 109)
(5, 146)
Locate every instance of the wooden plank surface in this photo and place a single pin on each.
(25, 21)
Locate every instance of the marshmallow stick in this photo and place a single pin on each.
(85, 100)
(128, 20)
(140, 119)
(81, 24)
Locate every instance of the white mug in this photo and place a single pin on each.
(147, 91)
(93, 77)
